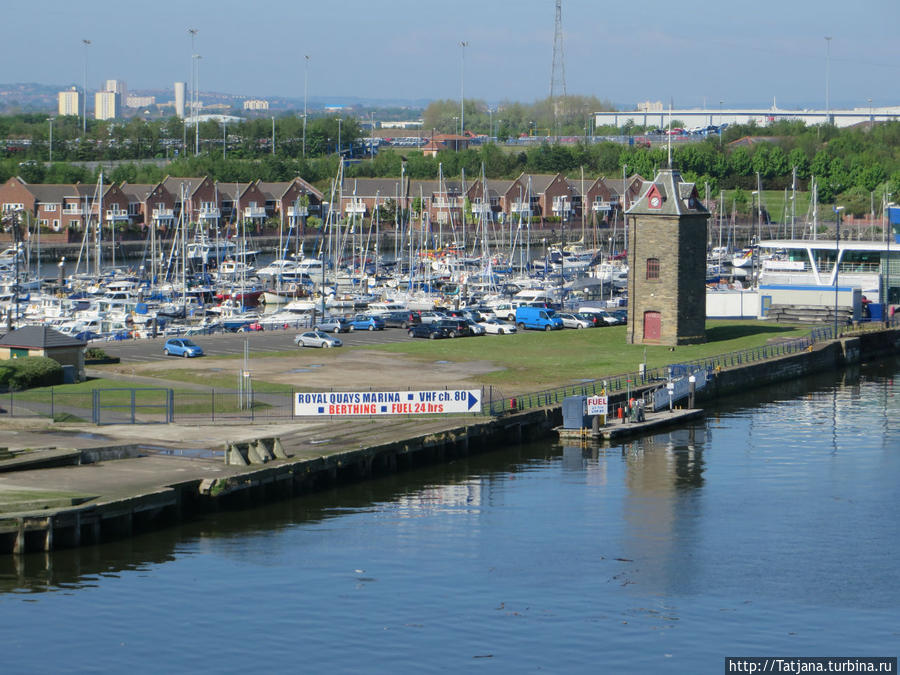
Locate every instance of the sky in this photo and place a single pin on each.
(689, 53)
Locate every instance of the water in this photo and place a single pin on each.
(768, 529)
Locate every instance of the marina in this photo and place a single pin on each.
(196, 277)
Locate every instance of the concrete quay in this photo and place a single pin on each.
(119, 482)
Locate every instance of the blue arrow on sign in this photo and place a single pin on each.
(472, 401)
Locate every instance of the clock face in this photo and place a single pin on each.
(655, 202)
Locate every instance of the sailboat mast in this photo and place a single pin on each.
(99, 232)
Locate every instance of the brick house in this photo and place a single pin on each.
(283, 201)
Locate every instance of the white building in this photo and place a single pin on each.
(139, 101)
(653, 115)
(119, 87)
(106, 105)
(69, 102)
(180, 88)
(256, 104)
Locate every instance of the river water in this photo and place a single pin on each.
(770, 528)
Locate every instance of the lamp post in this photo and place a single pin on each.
(197, 106)
(462, 82)
(339, 136)
(827, 78)
(273, 135)
(305, 96)
(50, 119)
(837, 255)
(86, 43)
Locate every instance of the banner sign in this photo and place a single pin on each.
(597, 405)
(388, 402)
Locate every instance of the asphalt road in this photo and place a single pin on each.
(220, 344)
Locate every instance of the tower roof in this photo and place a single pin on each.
(668, 195)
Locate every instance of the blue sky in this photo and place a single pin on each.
(743, 53)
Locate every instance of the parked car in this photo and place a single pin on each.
(427, 330)
(497, 327)
(574, 321)
(455, 327)
(334, 324)
(474, 328)
(591, 318)
(316, 338)
(367, 322)
(430, 317)
(181, 347)
(537, 318)
(604, 317)
(401, 319)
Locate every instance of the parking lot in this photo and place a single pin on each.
(224, 344)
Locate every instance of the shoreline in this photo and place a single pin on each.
(138, 479)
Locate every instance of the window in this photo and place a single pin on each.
(652, 268)
(49, 207)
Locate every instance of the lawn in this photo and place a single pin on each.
(534, 359)
(528, 361)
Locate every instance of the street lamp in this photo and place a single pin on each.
(462, 82)
(827, 77)
(84, 91)
(837, 254)
(305, 96)
(339, 136)
(197, 106)
(50, 119)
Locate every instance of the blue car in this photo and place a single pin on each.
(367, 322)
(181, 347)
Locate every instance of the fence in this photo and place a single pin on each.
(232, 406)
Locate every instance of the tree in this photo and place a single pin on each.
(739, 162)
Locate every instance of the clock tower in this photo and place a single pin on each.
(667, 263)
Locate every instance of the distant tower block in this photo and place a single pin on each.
(667, 263)
(180, 88)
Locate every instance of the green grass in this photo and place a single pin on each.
(778, 204)
(229, 381)
(535, 360)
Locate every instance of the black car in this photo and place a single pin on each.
(401, 319)
(455, 327)
(432, 331)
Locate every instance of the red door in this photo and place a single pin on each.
(652, 325)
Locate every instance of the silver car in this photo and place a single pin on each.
(334, 324)
(572, 321)
(316, 338)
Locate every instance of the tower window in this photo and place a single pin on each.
(652, 268)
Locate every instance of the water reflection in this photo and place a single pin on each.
(464, 484)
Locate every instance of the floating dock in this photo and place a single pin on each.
(623, 429)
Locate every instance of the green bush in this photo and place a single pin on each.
(29, 372)
(94, 353)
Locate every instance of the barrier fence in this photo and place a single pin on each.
(124, 406)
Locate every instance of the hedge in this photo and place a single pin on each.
(30, 371)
